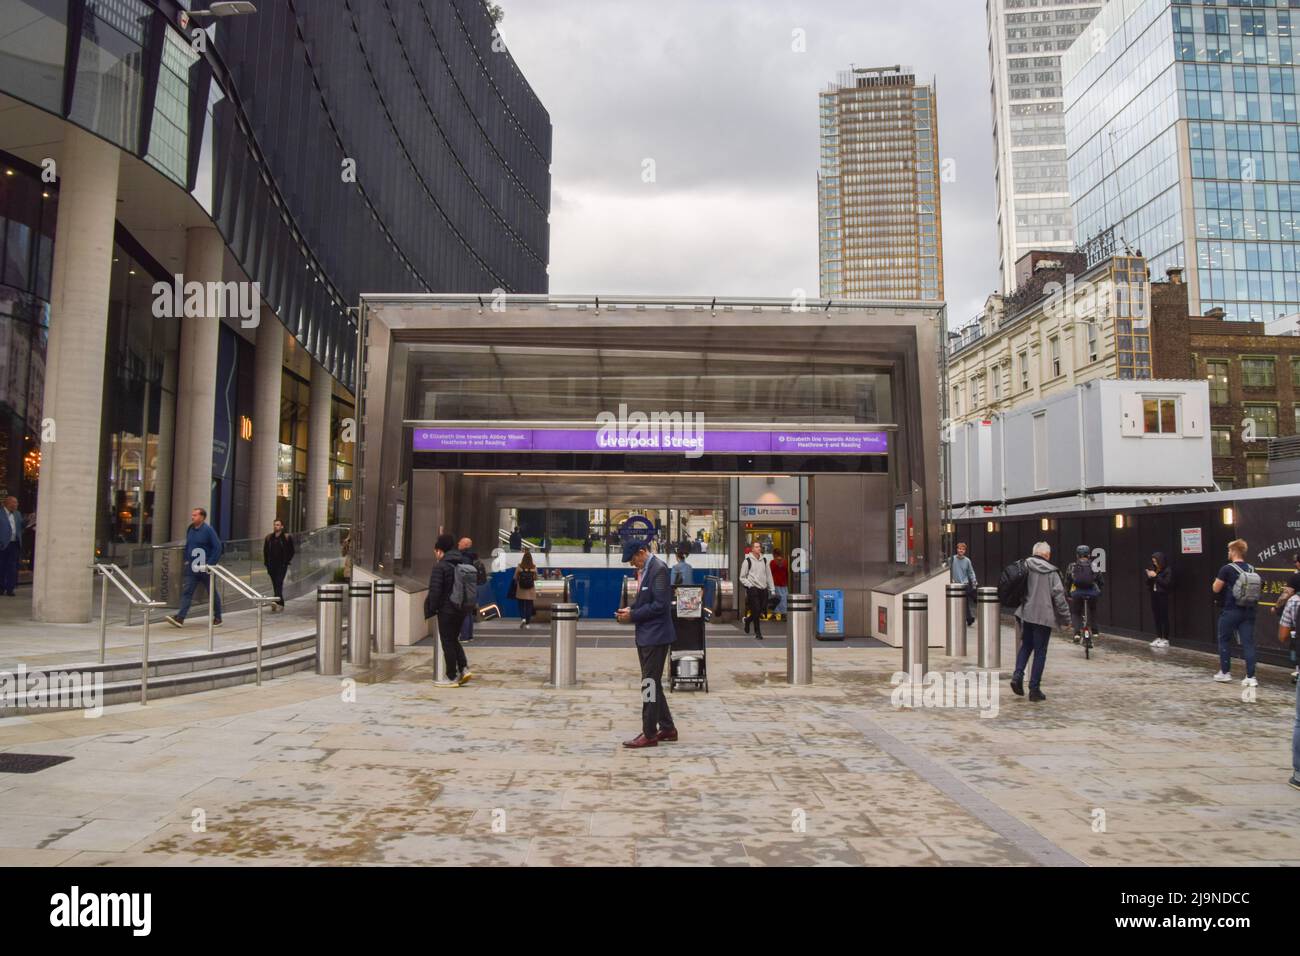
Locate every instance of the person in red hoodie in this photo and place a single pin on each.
(780, 581)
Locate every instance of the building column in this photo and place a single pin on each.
(63, 588)
(162, 481)
(318, 447)
(196, 385)
(267, 374)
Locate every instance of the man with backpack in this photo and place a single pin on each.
(465, 546)
(1240, 586)
(446, 600)
(1042, 606)
(1085, 588)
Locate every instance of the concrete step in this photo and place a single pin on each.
(192, 681)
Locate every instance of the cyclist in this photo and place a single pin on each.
(1084, 588)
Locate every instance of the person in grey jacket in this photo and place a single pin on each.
(1044, 606)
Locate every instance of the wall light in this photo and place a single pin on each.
(1228, 517)
(1045, 524)
(1119, 521)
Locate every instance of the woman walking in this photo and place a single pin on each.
(277, 553)
(524, 587)
(1160, 581)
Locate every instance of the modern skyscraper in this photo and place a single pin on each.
(1026, 40)
(880, 229)
(1183, 142)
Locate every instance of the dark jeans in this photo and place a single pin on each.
(9, 567)
(755, 605)
(1033, 640)
(449, 620)
(1076, 613)
(188, 586)
(526, 610)
(654, 709)
(1160, 610)
(467, 624)
(277, 581)
(1241, 620)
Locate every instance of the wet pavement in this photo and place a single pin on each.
(1137, 757)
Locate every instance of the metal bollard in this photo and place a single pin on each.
(956, 620)
(384, 610)
(916, 650)
(346, 625)
(988, 614)
(359, 624)
(440, 678)
(564, 645)
(798, 643)
(329, 629)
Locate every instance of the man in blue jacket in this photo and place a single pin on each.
(651, 612)
(11, 545)
(202, 547)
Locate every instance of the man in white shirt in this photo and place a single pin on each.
(756, 579)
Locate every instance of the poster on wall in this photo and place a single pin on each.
(900, 533)
(399, 520)
(1271, 530)
(1192, 541)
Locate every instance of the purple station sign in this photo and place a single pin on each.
(595, 440)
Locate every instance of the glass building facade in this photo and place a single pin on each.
(1183, 142)
(880, 224)
(1026, 40)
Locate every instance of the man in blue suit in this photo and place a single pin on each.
(11, 545)
(652, 614)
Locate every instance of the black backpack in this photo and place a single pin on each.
(527, 579)
(1013, 585)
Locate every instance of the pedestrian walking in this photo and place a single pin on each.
(445, 602)
(1160, 581)
(780, 569)
(1239, 586)
(466, 548)
(523, 588)
(1043, 607)
(651, 612)
(277, 554)
(683, 573)
(963, 572)
(1286, 634)
(756, 579)
(11, 545)
(202, 547)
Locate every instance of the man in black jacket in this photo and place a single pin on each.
(277, 552)
(437, 603)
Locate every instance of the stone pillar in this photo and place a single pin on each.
(196, 385)
(63, 585)
(267, 373)
(318, 447)
(162, 483)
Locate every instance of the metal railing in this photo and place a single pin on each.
(217, 573)
(135, 598)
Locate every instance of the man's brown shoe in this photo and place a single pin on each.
(667, 735)
(641, 741)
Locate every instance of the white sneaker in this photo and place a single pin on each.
(1164, 642)
(1223, 678)
(1249, 682)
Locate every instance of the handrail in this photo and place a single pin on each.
(135, 597)
(216, 571)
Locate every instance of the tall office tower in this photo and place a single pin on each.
(1183, 142)
(1026, 40)
(880, 229)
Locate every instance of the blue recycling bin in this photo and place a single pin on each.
(830, 614)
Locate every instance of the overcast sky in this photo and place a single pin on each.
(713, 92)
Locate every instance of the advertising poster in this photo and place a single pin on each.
(1271, 528)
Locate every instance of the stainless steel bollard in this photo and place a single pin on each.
(440, 678)
(988, 619)
(384, 610)
(956, 620)
(916, 648)
(564, 645)
(798, 643)
(329, 629)
(359, 624)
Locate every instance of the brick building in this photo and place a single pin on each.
(1254, 379)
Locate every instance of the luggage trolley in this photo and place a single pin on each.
(688, 658)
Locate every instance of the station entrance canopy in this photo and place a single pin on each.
(816, 428)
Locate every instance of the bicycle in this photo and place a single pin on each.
(1084, 636)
